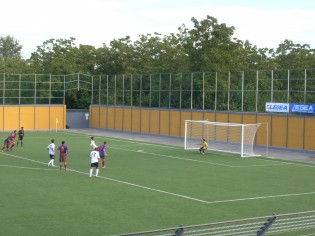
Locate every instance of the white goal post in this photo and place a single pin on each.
(223, 137)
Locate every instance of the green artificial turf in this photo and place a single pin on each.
(146, 186)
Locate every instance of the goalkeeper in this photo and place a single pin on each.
(203, 146)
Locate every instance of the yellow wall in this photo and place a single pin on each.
(42, 117)
(154, 122)
(111, 118)
(94, 116)
(57, 113)
(235, 118)
(175, 123)
(309, 135)
(1, 117)
(249, 119)
(295, 132)
(119, 118)
(145, 121)
(197, 116)
(264, 132)
(103, 115)
(185, 115)
(164, 122)
(127, 119)
(37, 117)
(222, 117)
(27, 117)
(11, 117)
(283, 131)
(210, 116)
(135, 124)
(278, 131)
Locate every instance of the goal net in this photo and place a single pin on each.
(224, 137)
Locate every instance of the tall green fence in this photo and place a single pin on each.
(245, 91)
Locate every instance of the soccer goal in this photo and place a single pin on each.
(223, 137)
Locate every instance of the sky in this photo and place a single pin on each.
(264, 23)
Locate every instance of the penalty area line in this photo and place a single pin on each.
(144, 187)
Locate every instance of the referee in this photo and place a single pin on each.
(21, 136)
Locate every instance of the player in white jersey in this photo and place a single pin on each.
(51, 152)
(92, 144)
(94, 156)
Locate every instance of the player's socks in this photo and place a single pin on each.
(91, 171)
(97, 170)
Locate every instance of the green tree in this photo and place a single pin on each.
(117, 58)
(10, 56)
(154, 54)
(55, 57)
(10, 47)
(209, 44)
(289, 55)
(63, 57)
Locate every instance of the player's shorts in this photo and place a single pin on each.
(63, 158)
(21, 138)
(95, 164)
(102, 156)
(52, 156)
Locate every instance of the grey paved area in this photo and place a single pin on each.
(277, 153)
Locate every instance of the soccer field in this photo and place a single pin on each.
(146, 186)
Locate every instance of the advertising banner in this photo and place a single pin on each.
(302, 108)
(277, 107)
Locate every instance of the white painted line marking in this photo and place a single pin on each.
(263, 197)
(24, 167)
(199, 161)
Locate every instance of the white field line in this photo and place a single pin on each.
(178, 195)
(199, 161)
(24, 167)
(263, 197)
(24, 158)
(144, 187)
(173, 147)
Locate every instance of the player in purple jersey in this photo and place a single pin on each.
(63, 152)
(103, 154)
(6, 143)
(9, 141)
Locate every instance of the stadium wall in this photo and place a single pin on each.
(284, 130)
(32, 117)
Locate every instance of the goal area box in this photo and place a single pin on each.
(224, 137)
